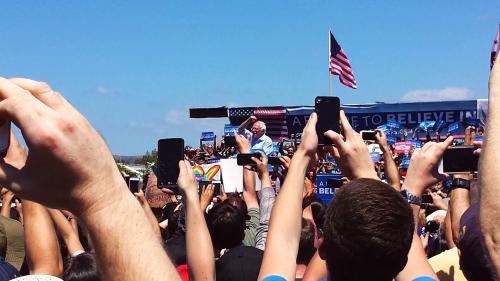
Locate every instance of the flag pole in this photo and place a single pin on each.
(329, 58)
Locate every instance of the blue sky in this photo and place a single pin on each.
(134, 68)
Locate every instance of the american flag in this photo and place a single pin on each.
(339, 64)
(274, 117)
(495, 48)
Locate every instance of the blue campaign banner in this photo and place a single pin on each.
(230, 131)
(479, 138)
(454, 127)
(438, 125)
(213, 160)
(393, 124)
(375, 156)
(391, 140)
(370, 116)
(426, 124)
(416, 143)
(405, 163)
(207, 136)
(324, 192)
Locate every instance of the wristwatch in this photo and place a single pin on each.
(411, 198)
(460, 183)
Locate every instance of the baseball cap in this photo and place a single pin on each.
(474, 261)
(240, 263)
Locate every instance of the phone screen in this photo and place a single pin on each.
(368, 135)
(243, 159)
(134, 185)
(460, 159)
(328, 110)
(274, 160)
(427, 199)
(334, 183)
(204, 184)
(170, 152)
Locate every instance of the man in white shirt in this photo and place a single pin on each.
(257, 135)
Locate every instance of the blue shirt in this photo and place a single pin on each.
(264, 143)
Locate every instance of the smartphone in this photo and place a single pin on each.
(133, 185)
(368, 135)
(170, 152)
(334, 183)
(243, 159)
(204, 184)
(328, 110)
(427, 199)
(459, 159)
(274, 160)
(230, 141)
(4, 138)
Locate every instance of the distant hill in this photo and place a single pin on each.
(128, 159)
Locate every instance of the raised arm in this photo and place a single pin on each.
(200, 252)
(62, 141)
(67, 232)
(245, 123)
(422, 173)
(459, 203)
(390, 167)
(490, 176)
(285, 224)
(249, 193)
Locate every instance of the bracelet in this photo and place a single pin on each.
(411, 198)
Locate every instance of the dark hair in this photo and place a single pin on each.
(306, 244)
(318, 210)
(236, 201)
(81, 268)
(367, 233)
(226, 225)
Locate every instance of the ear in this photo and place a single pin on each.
(322, 249)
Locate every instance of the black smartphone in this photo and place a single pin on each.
(427, 199)
(274, 160)
(4, 137)
(204, 184)
(328, 110)
(432, 227)
(243, 159)
(368, 135)
(460, 159)
(334, 183)
(170, 152)
(230, 141)
(133, 185)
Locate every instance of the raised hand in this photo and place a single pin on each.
(243, 144)
(423, 170)
(351, 152)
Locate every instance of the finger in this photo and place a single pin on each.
(337, 138)
(256, 160)
(346, 126)
(447, 142)
(477, 151)
(42, 91)
(167, 191)
(11, 178)
(477, 143)
(311, 123)
(24, 111)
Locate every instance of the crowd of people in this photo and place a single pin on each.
(67, 212)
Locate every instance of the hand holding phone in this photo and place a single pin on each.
(368, 135)
(244, 159)
(459, 159)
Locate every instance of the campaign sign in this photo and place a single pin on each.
(393, 124)
(416, 143)
(391, 140)
(403, 147)
(375, 157)
(324, 192)
(405, 163)
(427, 124)
(479, 138)
(438, 125)
(453, 127)
(207, 136)
(230, 131)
